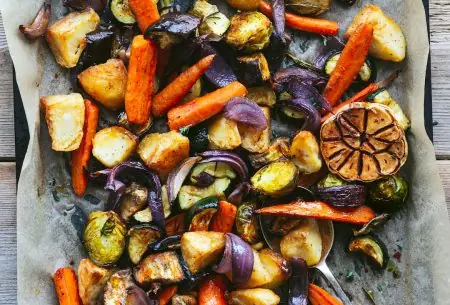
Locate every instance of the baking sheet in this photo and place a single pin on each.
(50, 217)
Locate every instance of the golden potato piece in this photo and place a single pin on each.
(163, 151)
(65, 119)
(260, 276)
(277, 267)
(223, 134)
(91, 281)
(253, 140)
(257, 296)
(106, 83)
(305, 150)
(67, 37)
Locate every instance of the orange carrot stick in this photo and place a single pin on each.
(320, 210)
(211, 290)
(145, 11)
(167, 294)
(179, 87)
(204, 107)
(224, 219)
(352, 58)
(81, 156)
(319, 296)
(66, 286)
(313, 25)
(141, 76)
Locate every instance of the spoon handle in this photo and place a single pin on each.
(323, 268)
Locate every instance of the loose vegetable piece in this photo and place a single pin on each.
(371, 246)
(184, 300)
(349, 64)
(247, 225)
(278, 269)
(199, 216)
(141, 75)
(388, 194)
(212, 290)
(139, 238)
(176, 224)
(122, 11)
(298, 283)
(119, 287)
(256, 296)
(253, 139)
(309, 7)
(223, 220)
(320, 210)
(145, 12)
(253, 69)
(37, 28)
(306, 153)
(166, 295)
(344, 196)
(81, 156)
(383, 97)
(276, 179)
(179, 87)
(313, 25)
(204, 107)
(91, 281)
(247, 112)
(162, 267)
(318, 296)
(66, 286)
(223, 133)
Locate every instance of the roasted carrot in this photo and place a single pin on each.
(319, 296)
(352, 58)
(141, 76)
(204, 107)
(212, 290)
(167, 294)
(306, 24)
(81, 156)
(224, 219)
(318, 209)
(179, 87)
(145, 11)
(66, 286)
(176, 224)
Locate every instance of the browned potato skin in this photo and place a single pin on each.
(91, 281)
(244, 5)
(106, 83)
(277, 267)
(162, 152)
(309, 7)
(161, 267)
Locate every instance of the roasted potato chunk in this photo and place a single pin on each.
(257, 296)
(259, 276)
(106, 83)
(91, 281)
(163, 151)
(160, 267)
(117, 287)
(253, 140)
(65, 119)
(67, 37)
(113, 145)
(223, 134)
(305, 150)
(201, 249)
(184, 300)
(388, 43)
(276, 266)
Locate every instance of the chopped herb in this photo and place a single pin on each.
(184, 130)
(392, 267)
(369, 295)
(350, 276)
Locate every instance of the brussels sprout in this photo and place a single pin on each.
(104, 237)
(278, 149)
(330, 180)
(309, 7)
(139, 238)
(388, 194)
(133, 200)
(249, 32)
(276, 179)
(216, 24)
(247, 225)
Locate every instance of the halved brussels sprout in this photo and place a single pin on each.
(190, 194)
(278, 149)
(388, 194)
(104, 237)
(134, 199)
(139, 238)
(249, 32)
(371, 246)
(247, 225)
(276, 179)
(330, 180)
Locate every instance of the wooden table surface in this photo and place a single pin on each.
(440, 65)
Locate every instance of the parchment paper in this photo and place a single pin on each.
(50, 218)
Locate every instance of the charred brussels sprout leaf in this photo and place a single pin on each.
(139, 238)
(276, 179)
(104, 237)
(371, 246)
(388, 194)
(247, 225)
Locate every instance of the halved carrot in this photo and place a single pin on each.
(81, 156)
(352, 58)
(212, 290)
(174, 92)
(141, 76)
(66, 286)
(306, 24)
(145, 11)
(320, 210)
(167, 294)
(319, 296)
(204, 107)
(224, 218)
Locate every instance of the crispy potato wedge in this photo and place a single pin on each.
(91, 281)
(305, 150)
(201, 249)
(276, 266)
(223, 134)
(253, 140)
(260, 276)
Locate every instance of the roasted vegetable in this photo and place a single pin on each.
(40, 23)
(212, 290)
(223, 134)
(184, 300)
(305, 150)
(254, 140)
(104, 237)
(161, 152)
(249, 32)
(146, 214)
(330, 180)
(66, 286)
(259, 276)
(389, 43)
(214, 169)
(134, 199)
(91, 281)
(224, 220)
(277, 267)
(283, 225)
(246, 112)
(372, 247)
(190, 194)
(65, 116)
(216, 25)
(279, 149)
(253, 69)
(201, 249)
(383, 97)
(106, 83)
(113, 145)
(276, 179)
(198, 138)
(244, 5)
(203, 9)
(372, 225)
(344, 196)
(122, 11)
(199, 215)
(138, 130)
(247, 225)
(117, 287)
(256, 296)
(262, 96)
(304, 241)
(139, 238)
(67, 37)
(388, 194)
(309, 7)
(277, 50)
(366, 74)
(162, 267)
